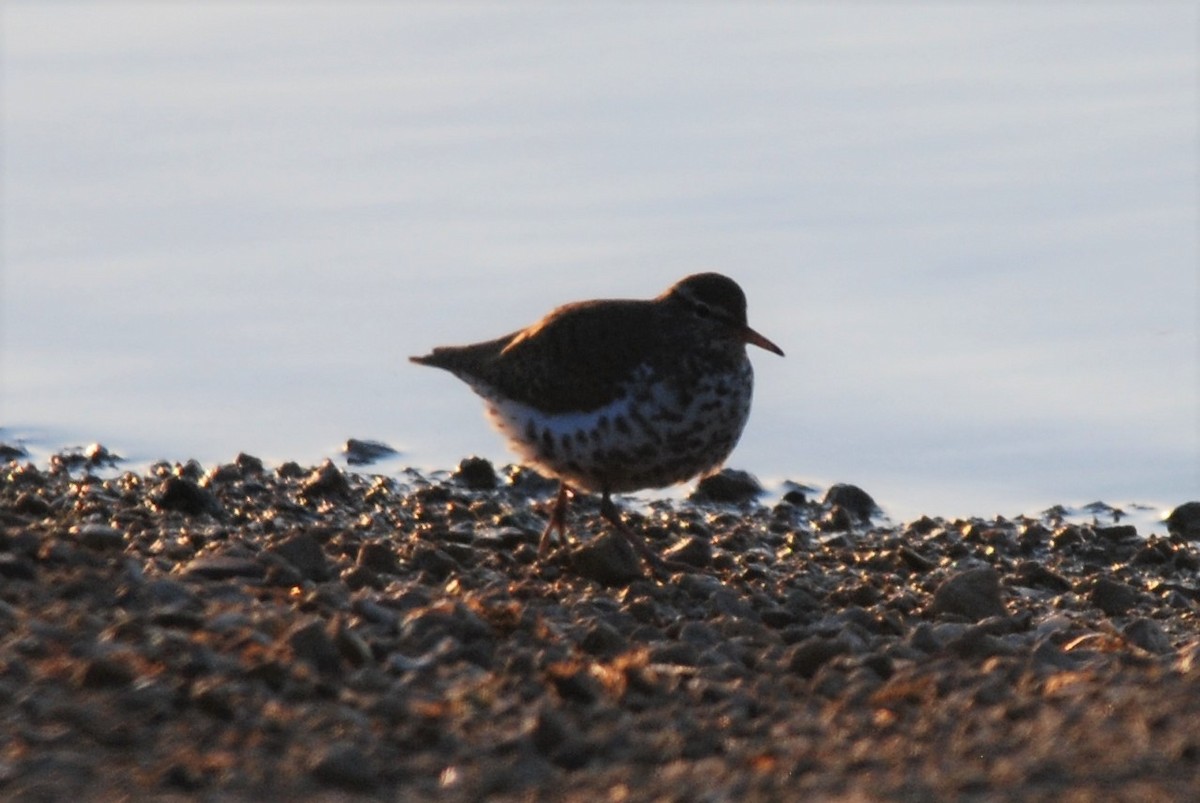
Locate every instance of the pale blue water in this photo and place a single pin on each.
(972, 228)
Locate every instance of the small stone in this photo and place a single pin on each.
(310, 642)
(100, 536)
(224, 567)
(476, 473)
(728, 486)
(694, 551)
(214, 697)
(1184, 521)
(602, 639)
(28, 504)
(1032, 574)
(811, 654)
(1116, 533)
(184, 496)
(379, 557)
(17, 567)
(973, 594)
(609, 560)
(324, 481)
(249, 464)
(854, 500)
(345, 766)
(1112, 596)
(304, 553)
(364, 452)
(1149, 635)
(108, 670)
(10, 452)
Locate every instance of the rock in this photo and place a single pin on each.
(1184, 521)
(325, 481)
(378, 557)
(728, 486)
(10, 452)
(1112, 596)
(694, 551)
(811, 654)
(476, 473)
(304, 553)
(973, 594)
(854, 500)
(184, 496)
(608, 559)
(603, 639)
(17, 567)
(310, 642)
(345, 766)
(364, 452)
(250, 465)
(100, 536)
(1149, 635)
(224, 567)
(1032, 574)
(111, 668)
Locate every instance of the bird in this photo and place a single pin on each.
(612, 396)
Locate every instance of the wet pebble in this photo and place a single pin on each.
(973, 594)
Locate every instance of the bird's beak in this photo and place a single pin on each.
(754, 338)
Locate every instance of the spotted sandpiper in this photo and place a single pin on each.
(613, 396)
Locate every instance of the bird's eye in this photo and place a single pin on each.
(704, 311)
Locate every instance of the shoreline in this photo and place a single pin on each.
(249, 632)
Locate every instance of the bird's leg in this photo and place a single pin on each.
(558, 520)
(609, 511)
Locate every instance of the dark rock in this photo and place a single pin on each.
(1032, 574)
(1149, 635)
(378, 557)
(109, 669)
(304, 553)
(17, 567)
(100, 536)
(728, 486)
(973, 594)
(364, 452)
(290, 470)
(215, 697)
(434, 561)
(184, 496)
(1112, 596)
(915, 561)
(325, 481)
(1117, 533)
(854, 500)
(694, 551)
(249, 464)
(811, 654)
(345, 766)
(1184, 521)
(608, 559)
(224, 567)
(11, 452)
(603, 639)
(476, 473)
(28, 504)
(556, 740)
(310, 642)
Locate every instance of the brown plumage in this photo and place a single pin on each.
(619, 395)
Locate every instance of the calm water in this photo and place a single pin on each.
(972, 229)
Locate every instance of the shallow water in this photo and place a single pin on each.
(971, 229)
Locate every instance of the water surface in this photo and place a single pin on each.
(972, 228)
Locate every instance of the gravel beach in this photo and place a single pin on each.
(250, 632)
